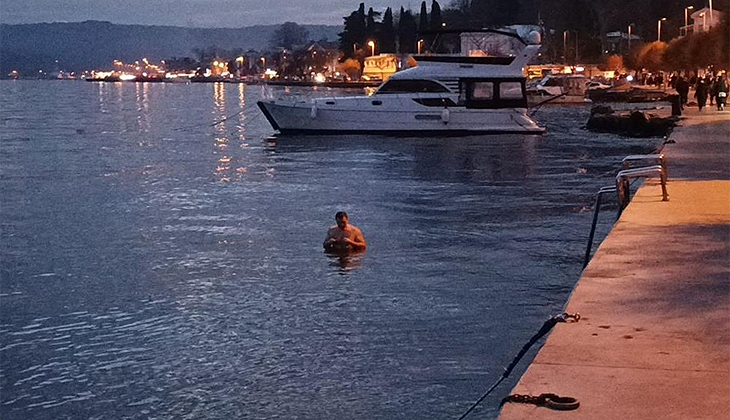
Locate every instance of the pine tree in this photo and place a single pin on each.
(387, 33)
(407, 32)
(355, 34)
(436, 19)
(423, 22)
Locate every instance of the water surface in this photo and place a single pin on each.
(160, 257)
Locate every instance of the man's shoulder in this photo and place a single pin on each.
(355, 229)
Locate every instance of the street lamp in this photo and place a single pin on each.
(631, 25)
(263, 62)
(565, 47)
(686, 21)
(712, 22)
(420, 44)
(371, 44)
(659, 29)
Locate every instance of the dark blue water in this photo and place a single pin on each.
(155, 264)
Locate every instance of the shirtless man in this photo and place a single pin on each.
(344, 236)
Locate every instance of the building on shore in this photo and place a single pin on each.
(703, 20)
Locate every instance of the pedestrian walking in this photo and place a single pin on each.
(721, 87)
(701, 94)
(682, 88)
(711, 87)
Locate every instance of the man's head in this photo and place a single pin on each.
(342, 219)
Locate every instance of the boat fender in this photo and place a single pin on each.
(445, 115)
(313, 112)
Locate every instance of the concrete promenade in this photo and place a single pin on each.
(654, 338)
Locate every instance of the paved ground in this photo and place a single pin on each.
(654, 340)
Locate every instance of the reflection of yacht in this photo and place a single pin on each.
(559, 89)
(442, 95)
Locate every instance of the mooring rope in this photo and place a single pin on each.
(546, 327)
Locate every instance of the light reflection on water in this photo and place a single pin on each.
(161, 258)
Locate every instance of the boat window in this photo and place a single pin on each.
(412, 86)
(377, 102)
(482, 90)
(493, 93)
(435, 101)
(510, 90)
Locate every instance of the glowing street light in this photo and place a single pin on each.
(659, 29)
(686, 22)
(420, 44)
(263, 62)
(631, 25)
(371, 44)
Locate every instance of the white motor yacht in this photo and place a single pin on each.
(443, 95)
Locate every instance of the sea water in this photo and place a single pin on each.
(161, 257)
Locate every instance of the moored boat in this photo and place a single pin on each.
(443, 95)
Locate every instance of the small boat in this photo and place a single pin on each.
(559, 89)
(443, 95)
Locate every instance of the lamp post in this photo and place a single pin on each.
(419, 45)
(659, 29)
(686, 21)
(565, 47)
(631, 25)
(371, 44)
(712, 22)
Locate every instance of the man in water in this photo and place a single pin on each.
(343, 236)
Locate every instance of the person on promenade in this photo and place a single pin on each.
(701, 94)
(344, 237)
(721, 90)
(682, 88)
(711, 87)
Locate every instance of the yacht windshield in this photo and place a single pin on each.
(412, 86)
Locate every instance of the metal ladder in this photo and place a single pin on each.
(623, 187)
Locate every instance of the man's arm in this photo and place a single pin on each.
(358, 240)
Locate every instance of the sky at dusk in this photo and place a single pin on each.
(192, 13)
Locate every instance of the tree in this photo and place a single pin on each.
(387, 33)
(651, 56)
(423, 26)
(407, 32)
(423, 22)
(436, 20)
(354, 35)
(288, 35)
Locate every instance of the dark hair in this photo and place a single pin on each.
(341, 214)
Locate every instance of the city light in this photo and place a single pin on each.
(659, 29)
(371, 44)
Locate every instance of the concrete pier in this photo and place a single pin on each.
(654, 338)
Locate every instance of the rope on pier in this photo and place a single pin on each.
(553, 401)
(546, 327)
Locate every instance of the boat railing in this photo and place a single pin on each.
(622, 188)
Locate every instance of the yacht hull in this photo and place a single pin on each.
(312, 118)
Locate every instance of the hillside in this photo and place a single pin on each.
(93, 44)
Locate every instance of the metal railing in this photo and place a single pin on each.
(623, 188)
